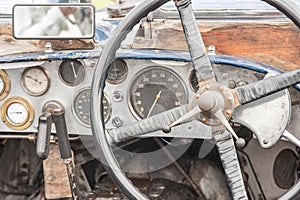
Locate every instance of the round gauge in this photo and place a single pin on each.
(4, 84)
(156, 90)
(71, 72)
(35, 81)
(81, 107)
(17, 113)
(117, 72)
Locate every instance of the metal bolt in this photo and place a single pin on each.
(204, 119)
(265, 141)
(228, 112)
(198, 96)
(211, 50)
(118, 96)
(231, 84)
(51, 177)
(117, 122)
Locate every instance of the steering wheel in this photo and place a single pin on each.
(212, 98)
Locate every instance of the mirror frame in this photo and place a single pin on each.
(55, 37)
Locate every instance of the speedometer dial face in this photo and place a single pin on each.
(156, 90)
(81, 107)
(35, 81)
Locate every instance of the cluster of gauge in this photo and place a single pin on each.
(153, 90)
(16, 112)
(117, 73)
(36, 81)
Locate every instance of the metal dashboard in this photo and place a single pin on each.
(167, 78)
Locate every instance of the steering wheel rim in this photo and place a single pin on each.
(108, 54)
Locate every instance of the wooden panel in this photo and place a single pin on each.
(9, 45)
(277, 43)
(56, 176)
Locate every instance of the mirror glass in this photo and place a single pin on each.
(67, 21)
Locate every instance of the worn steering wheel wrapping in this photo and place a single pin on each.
(205, 76)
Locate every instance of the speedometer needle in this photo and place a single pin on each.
(155, 101)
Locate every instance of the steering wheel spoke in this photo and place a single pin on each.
(161, 121)
(230, 162)
(198, 53)
(257, 90)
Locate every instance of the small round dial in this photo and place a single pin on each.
(35, 81)
(117, 72)
(81, 107)
(156, 90)
(4, 84)
(17, 113)
(71, 72)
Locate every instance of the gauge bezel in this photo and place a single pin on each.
(27, 90)
(75, 113)
(6, 87)
(30, 113)
(125, 76)
(132, 110)
(76, 83)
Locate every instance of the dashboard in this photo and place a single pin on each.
(134, 89)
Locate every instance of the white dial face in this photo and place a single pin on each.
(17, 113)
(1, 85)
(35, 81)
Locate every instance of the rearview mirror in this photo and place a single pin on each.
(60, 21)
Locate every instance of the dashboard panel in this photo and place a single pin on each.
(135, 89)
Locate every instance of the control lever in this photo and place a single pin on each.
(43, 136)
(59, 120)
(57, 116)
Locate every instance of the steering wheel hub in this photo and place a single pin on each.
(214, 97)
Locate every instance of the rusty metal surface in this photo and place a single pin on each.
(56, 176)
(9, 45)
(274, 43)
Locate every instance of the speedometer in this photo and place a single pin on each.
(81, 107)
(156, 90)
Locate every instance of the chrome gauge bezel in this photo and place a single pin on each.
(27, 88)
(6, 85)
(132, 110)
(62, 78)
(76, 115)
(29, 109)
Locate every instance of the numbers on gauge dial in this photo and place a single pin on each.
(35, 81)
(81, 107)
(156, 90)
(17, 113)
